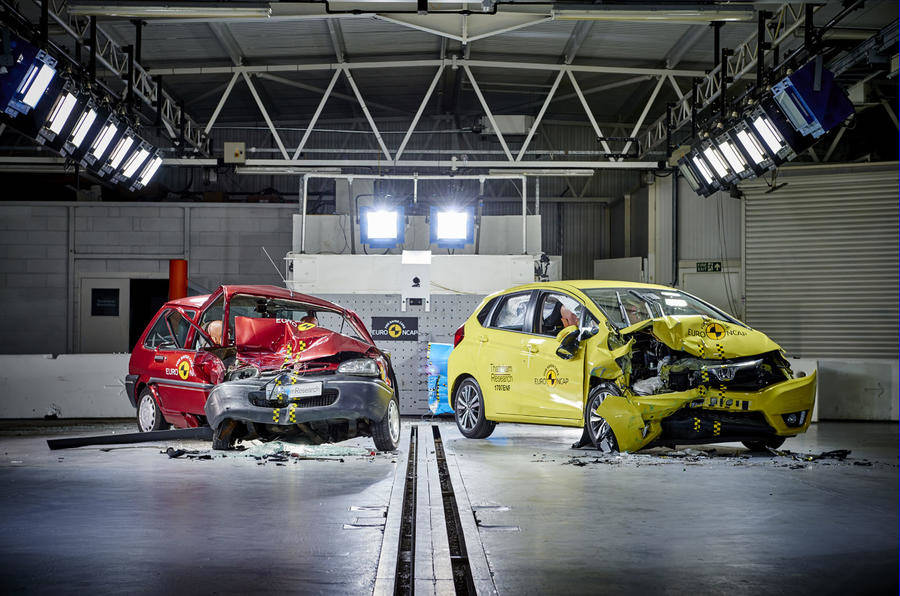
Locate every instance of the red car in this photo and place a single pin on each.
(263, 362)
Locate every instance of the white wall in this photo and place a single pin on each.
(40, 276)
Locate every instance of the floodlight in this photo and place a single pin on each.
(698, 174)
(729, 149)
(715, 159)
(688, 174)
(768, 133)
(381, 227)
(811, 100)
(147, 173)
(120, 151)
(28, 79)
(704, 170)
(82, 126)
(60, 112)
(452, 228)
(133, 162)
(101, 143)
(35, 83)
(750, 145)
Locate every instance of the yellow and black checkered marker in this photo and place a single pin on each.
(702, 349)
(276, 413)
(291, 414)
(696, 425)
(305, 326)
(717, 428)
(720, 352)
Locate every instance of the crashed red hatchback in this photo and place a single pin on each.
(263, 362)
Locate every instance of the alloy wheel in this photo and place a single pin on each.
(468, 407)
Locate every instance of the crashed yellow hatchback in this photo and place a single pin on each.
(635, 365)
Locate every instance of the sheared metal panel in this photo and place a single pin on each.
(821, 260)
(708, 228)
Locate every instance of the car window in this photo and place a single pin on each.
(627, 306)
(214, 312)
(484, 312)
(160, 335)
(510, 314)
(556, 312)
(179, 326)
(257, 307)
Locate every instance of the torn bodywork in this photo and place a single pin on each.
(694, 379)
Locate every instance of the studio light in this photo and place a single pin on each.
(35, 83)
(119, 152)
(60, 113)
(147, 173)
(133, 162)
(381, 227)
(452, 228)
(37, 70)
(729, 149)
(748, 142)
(82, 127)
(102, 141)
(717, 161)
(764, 128)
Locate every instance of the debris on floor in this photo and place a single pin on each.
(278, 452)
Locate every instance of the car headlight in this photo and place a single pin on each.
(359, 366)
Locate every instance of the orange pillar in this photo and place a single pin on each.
(178, 278)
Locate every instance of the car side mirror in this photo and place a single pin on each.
(568, 338)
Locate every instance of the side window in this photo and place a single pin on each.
(160, 335)
(484, 312)
(556, 312)
(179, 326)
(215, 312)
(609, 304)
(510, 314)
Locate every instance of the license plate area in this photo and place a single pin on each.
(299, 390)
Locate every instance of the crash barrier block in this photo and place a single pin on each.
(65, 386)
(436, 364)
(858, 389)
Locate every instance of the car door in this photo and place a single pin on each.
(554, 390)
(181, 388)
(500, 355)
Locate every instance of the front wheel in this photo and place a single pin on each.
(468, 408)
(596, 426)
(386, 433)
(149, 416)
(765, 444)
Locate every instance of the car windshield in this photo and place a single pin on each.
(259, 307)
(626, 306)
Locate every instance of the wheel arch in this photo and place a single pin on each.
(456, 382)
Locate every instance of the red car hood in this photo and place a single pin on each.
(275, 343)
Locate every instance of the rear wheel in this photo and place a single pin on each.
(468, 407)
(149, 417)
(596, 426)
(765, 444)
(224, 436)
(386, 433)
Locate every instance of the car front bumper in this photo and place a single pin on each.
(344, 397)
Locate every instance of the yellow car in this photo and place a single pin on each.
(634, 364)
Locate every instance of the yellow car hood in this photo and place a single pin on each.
(705, 337)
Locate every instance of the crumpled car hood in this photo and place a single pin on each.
(705, 337)
(276, 343)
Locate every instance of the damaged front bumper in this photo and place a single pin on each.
(704, 415)
(342, 397)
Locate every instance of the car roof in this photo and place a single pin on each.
(189, 301)
(283, 293)
(583, 284)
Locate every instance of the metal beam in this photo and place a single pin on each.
(337, 39)
(222, 100)
(540, 116)
(590, 91)
(317, 113)
(637, 125)
(334, 94)
(445, 164)
(587, 110)
(368, 116)
(684, 44)
(265, 115)
(501, 64)
(418, 115)
(487, 111)
(223, 34)
(579, 34)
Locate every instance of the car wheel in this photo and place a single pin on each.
(223, 437)
(765, 444)
(598, 429)
(149, 417)
(468, 408)
(386, 433)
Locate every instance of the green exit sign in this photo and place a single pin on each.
(709, 266)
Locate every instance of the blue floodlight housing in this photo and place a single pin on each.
(382, 227)
(811, 101)
(26, 83)
(452, 228)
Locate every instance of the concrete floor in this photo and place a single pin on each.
(546, 519)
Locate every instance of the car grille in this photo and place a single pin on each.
(328, 397)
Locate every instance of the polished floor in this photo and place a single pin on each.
(538, 517)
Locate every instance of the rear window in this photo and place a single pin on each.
(484, 312)
(510, 314)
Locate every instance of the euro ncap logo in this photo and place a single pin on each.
(715, 331)
(395, 329)
(552, 376)
(184, 367)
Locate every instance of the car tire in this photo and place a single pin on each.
(149, 416)
(223, 437)
(596, 427)
(468, 409)
(386, 432)
(765, 444)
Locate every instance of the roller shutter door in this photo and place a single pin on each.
(820, 260)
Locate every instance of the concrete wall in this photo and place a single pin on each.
(45, 250)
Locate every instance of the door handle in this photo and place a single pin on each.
(482, 338)
(159, 358)
(531, 348)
